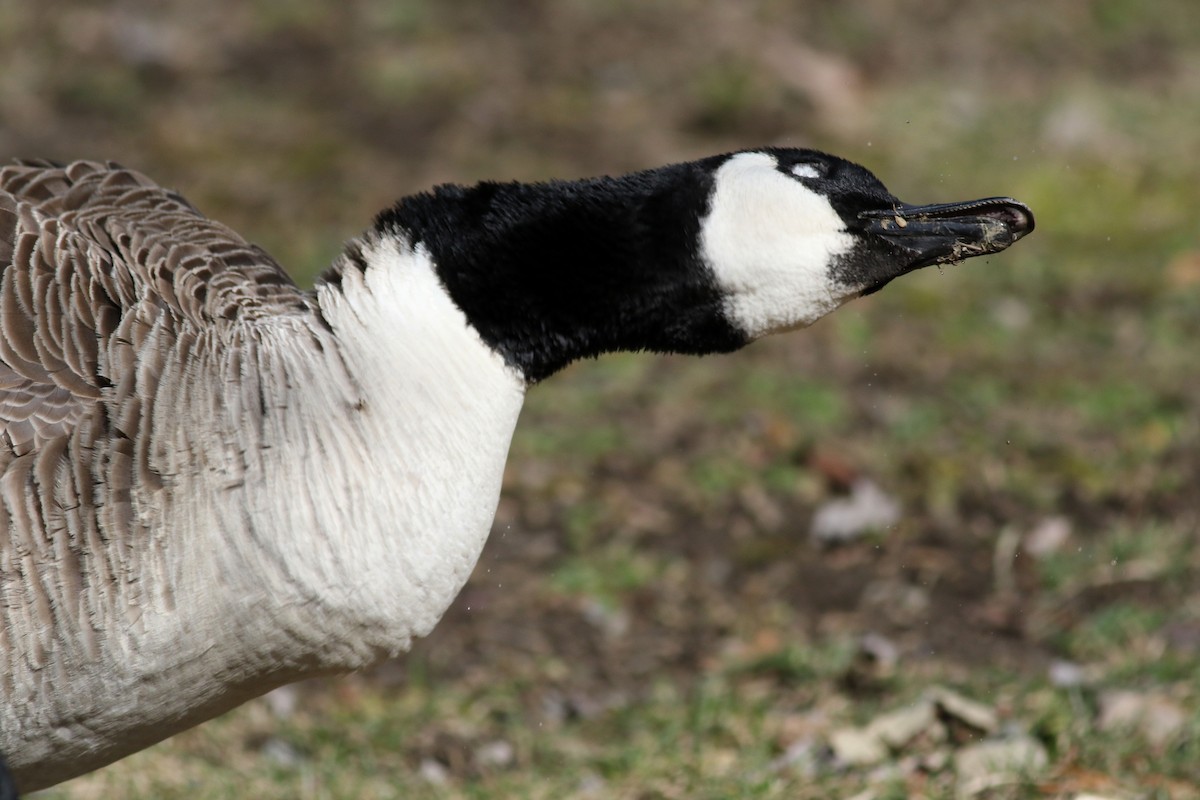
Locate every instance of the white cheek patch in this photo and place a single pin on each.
(805, 171)
(771, 242)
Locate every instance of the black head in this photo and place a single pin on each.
(697, 257)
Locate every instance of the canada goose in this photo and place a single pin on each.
(215, 483)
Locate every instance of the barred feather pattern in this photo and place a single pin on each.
(139, 343)
(211, 482)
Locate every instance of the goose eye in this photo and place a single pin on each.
(806, 170)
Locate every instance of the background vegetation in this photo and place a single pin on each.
(650, 618)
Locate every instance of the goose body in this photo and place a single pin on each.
(214, 483)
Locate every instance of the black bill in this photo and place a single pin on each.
(946, 232)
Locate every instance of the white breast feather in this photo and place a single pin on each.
(435, 390)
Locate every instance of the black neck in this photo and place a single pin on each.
(549, 273)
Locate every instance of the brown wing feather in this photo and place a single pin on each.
(93, 257)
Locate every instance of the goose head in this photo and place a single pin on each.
(792, 234)
(698, 257)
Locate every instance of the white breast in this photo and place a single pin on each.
(319, 537)
(444, 405)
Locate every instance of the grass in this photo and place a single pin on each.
(722, 736)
